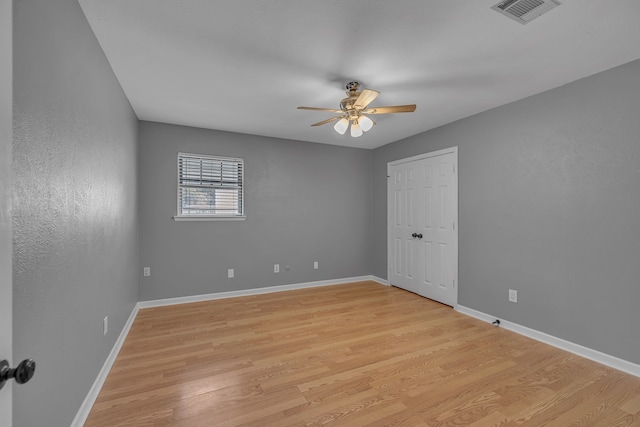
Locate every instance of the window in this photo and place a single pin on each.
(210, 187)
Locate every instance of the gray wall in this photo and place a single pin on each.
(305, 202)
(549, 204)
(6, 137)
(75, 209)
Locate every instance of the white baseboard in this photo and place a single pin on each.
(247, 292)
(379, 280)
(89, 400)
(588, 353)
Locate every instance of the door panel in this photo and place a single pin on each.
(402, 220)
(423, 202)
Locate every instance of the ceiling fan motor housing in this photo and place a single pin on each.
(347, 104)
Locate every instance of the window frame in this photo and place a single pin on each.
(210, 217)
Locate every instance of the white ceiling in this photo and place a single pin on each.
(244, 66)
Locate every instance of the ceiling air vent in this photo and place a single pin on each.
(524, 11)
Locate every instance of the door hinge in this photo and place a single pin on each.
(454, 225)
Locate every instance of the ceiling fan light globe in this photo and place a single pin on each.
(365, 123)
(356, 130)
(342, 126)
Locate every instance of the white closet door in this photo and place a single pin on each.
(402, 194)
(423, 252)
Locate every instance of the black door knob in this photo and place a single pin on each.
(419, 236)
(414, 235)
(22, 373)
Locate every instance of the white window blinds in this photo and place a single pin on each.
(210, 186)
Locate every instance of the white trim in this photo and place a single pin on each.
(247, 292)
(450, 150)
(209, 218)
(379, 280)
(588, 353)
(90, 399)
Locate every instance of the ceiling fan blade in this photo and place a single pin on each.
(324, 122)
(393, 109)
(366, 97)
(331, 110)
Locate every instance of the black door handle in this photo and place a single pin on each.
(414, 235)
(419, 236)
(22, 373)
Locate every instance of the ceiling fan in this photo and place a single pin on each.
(354, 108)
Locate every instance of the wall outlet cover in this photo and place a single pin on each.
(513, 295)
(231, 273)
(276, 268)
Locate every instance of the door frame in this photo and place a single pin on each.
(450, 150)
(6, 251)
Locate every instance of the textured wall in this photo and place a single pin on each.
(6, 114)
(548, 205)
(74, 219)
(304, 202)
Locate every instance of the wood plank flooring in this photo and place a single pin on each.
(357, 354)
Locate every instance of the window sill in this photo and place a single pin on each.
(209, 218)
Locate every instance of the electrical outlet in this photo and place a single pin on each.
(230, 273)
(315, 265)
(276, 268)
(105, 325)
(147, 271)
(513, 295)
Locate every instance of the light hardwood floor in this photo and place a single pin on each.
(351, 355)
